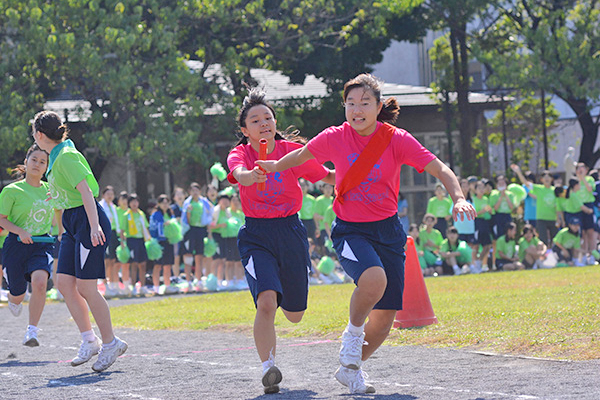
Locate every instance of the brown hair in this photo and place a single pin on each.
(20, 170)
(390, 110)
(50, 124)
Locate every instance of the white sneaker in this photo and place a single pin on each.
(456, 270)
(351, 350)
(108, 355)
(15, 309)
(171, 289)
(485, 268)
(271, 379)
(354, 379)
(110, 293)
(31, 339)
(86, 351)
(591, 260)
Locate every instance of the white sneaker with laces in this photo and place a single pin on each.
(354, 379)
(108, 355)
(31, 339)
(86, 351)
(15, 309)
(271, 379)
(351, 350)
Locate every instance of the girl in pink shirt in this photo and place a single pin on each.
(367, 233)
(273, 243)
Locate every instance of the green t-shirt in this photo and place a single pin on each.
(122, 218)
(321, 205)
(545, 204)
(524, 245)
(504, 207)
(560, 203)
(26, 207)
(573, 204)
(329, 216)
(434, 236)
(221, 219)
(585, 195)
(439, 208)
(308, 207)
(506, 247)
(134, 224)
(479, 204)
(196, 210)
(67, 168)
(567, 239)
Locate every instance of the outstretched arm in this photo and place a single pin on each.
(290, 160)
(448, 179)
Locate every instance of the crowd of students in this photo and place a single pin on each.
(528, 225)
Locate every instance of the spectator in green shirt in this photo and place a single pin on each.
(413, 231)
(531, 248)
(431, 239)
(482, 226)
(455, 253)
(307, 212)
(586, 194)
(567, 243)
(321, 204)
(440, 206)
(507, 258)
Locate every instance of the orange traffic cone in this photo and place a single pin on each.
(417, 310)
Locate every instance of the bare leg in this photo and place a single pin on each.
(369, 290)
(264, 324)
(67, 285)
(39, 281)
(376, 330)
(88, 290)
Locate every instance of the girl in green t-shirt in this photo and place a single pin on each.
(413, 231)
(307, 212)
(507, 258)
(440, 206)
(586, 195)
(531, 248)
(25, 213)
(431, 240)
(73, 188)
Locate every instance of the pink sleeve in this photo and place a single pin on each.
(319, 146)
(411, 152)
(235, 159)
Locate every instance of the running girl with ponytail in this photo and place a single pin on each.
(273, 243)
(28, 217)
(367, 234)
(73, 188)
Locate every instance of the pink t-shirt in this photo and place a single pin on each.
(283, 195)
(376, 198)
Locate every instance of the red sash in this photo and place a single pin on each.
(365, 161)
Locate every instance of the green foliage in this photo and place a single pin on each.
(524, 130)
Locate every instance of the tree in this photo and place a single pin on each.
(552, 45)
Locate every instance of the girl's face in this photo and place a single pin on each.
(179, 196)
(439, 192)
(109, 196)
(211, 194)
(36, 164)
(362, 109)
(511, 233)
(547, 180)
(236, 203)
(260, 123)
(224, 203)
(123, 202)
(195, 192)
(164, 205)
(479, 189)
(134, 204)
(528, 236)
(429, 222)
(487, 189)
(414, 232)
(452, 237)
(327, 190)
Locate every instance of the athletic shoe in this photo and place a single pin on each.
(108, 355)
(351, 350)
(591, 260)
(456, 270)
(110, 293)
(354, 379)
(271, 379)
(86, 351)
(171, 289)
(31, 339)
(15, 309)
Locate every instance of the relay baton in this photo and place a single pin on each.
(41, 239)
(262, 155)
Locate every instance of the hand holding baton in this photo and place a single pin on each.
(262, 155)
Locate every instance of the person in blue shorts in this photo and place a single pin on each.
(73, 188)
(273, 243)
(25, 213)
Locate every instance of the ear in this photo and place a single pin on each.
(244, 131)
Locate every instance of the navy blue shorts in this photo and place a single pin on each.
(232, 253)
(500, 222)
(483, 234)
(500, 262)
(194, 240)
(569, 216)
(560, 255)
(587, 220)
(179, 248)
(56, 247)
(21, 260)
(168, 255)
(77, 257)
(467, 237)
(111, 249)
(441, 225)
(274, 252)
(137, 250)
(221, 246)
(362, 245)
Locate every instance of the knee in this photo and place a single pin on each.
(39, 284)
(373, 282)
(267, 304)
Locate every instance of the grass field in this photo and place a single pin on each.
(544, 313)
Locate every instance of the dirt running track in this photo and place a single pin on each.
(215, 365)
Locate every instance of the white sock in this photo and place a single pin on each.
(156, 288)
(111, 344)
(32, 328)
(355, 330)
(88, 336)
